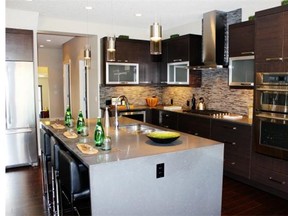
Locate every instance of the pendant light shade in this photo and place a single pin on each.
(155, 39)
(111, 48)
(87, 54)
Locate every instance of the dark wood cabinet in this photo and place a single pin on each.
(271, 44)
(241, 39)
(270, 172)
(19, 45)
(237, 139)
(152, 116)
(168, 119)
(186, 48)
(134, 51)
(196, 125)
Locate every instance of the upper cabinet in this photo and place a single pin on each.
(19, 45)
(182, 52)
(133, 63)
(271, 40)
(241, 54)
(172, 67)
(241, 39)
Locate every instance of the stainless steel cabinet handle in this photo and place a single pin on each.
(247, 53)
(177, 60)
(274, 59)
(196, 134)
(277, 181)
(233, 163)
(231, 128)
(230, 143)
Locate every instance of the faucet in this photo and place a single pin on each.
(116, 108)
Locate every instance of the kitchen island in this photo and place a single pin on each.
(140, 177)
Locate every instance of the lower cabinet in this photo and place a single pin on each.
(237, 139)
(271, 172)
(168, 119)
(152, 116)
(196, 125)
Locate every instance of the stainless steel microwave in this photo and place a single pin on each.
(241, 71)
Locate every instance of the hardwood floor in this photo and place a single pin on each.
(24, 196)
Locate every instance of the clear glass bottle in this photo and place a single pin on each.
(80, 122)
(99, 133)
(68, 116)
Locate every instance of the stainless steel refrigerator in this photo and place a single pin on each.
(21, 138)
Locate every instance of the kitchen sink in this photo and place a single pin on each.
(138, 128)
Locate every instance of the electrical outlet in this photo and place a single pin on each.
(160, 170)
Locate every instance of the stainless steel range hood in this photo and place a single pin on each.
(213, 36)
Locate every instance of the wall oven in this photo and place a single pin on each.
(271, 114)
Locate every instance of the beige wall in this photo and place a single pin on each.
(52, 58)
(44, 82)
(73, 51)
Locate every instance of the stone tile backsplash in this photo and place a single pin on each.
(214, 90)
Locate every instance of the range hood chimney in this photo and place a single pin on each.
(213, 44)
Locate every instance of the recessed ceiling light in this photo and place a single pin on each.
(41, 46)
(48, 40)
(138, 14)
(88, 7)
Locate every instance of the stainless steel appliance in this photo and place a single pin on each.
(137, 115)
(271, 114)
(21, 141)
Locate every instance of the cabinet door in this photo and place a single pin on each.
(241, 39)
(169, 120)
(198, 126)
(19, 45)
(285, 49)
(269, 39)
(178, 49)
(127, 50)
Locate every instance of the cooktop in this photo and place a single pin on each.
(208, 112)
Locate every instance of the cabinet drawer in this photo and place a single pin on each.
(231, 133)
(237, 146)
(238, 165)
(270, 178)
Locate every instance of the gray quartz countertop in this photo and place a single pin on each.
(244, 120)
(125, 145)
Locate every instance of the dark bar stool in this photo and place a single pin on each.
(73, 182)
(46, 160)
(55, 148)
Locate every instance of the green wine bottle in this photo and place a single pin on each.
(99, 133)
(80, 122)
(68, 116)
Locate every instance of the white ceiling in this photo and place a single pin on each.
(170, 13)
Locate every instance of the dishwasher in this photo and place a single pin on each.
(137, 115)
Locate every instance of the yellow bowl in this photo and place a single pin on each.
(152, 102)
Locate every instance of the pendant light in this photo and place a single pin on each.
(87, 50)
(111, 40)
(155, 39)
(110, 44)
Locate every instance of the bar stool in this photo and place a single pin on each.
(55, 148)
(46, 160)
(74, 183)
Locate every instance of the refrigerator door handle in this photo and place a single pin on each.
(20, 130)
